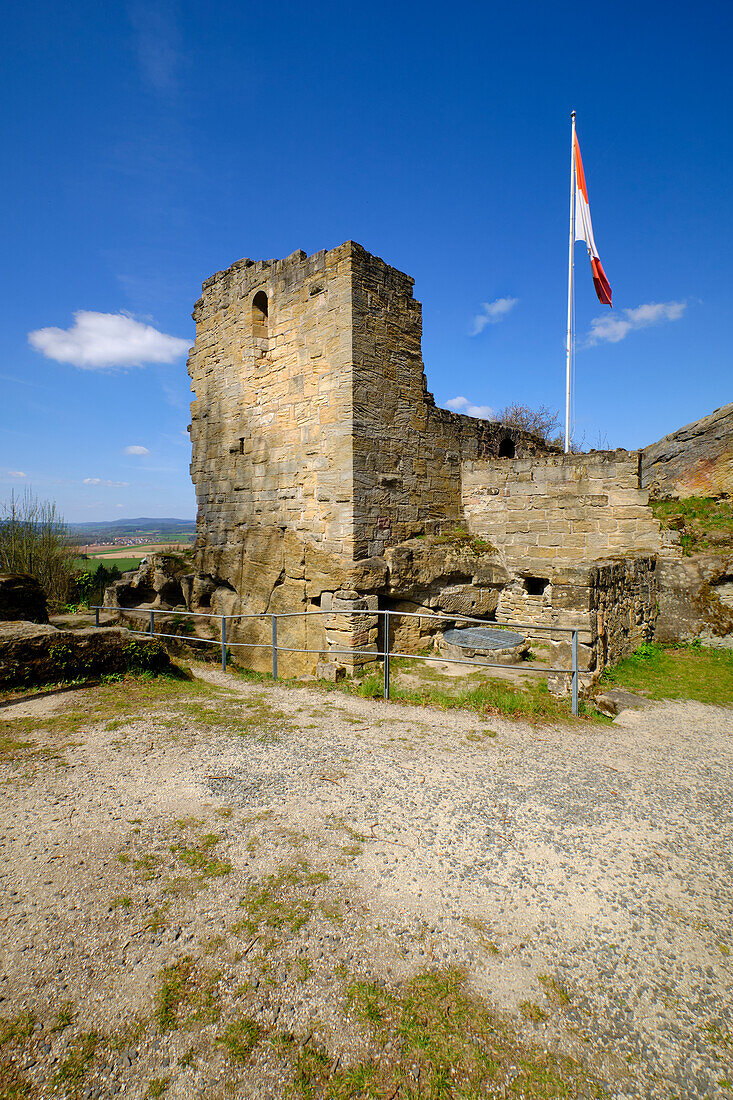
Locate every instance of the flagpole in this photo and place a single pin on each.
(571, 251)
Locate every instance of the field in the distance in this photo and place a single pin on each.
(140, 550)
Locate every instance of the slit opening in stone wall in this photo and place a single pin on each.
(506, 447)
(260, 311)
(535, 586)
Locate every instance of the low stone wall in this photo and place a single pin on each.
(615, 605)
(696, 460)
(32, 653)
(559, 508)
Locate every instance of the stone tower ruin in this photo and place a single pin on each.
(328, 481)
(315, 442)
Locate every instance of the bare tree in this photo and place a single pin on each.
(34, 539)
(542, 421)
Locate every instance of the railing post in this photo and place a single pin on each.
(96, 616)
(574, 652)
(223, 643)
(386, 654)
(152, 622)
(274, 647)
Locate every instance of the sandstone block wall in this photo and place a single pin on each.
(271, 422)
(314, 440)
(407, 453)
(560, 508)
(696, 460)
(615, 605)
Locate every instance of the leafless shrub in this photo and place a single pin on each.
(34, 539)
(542, 421)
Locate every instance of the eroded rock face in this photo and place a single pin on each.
(21, 597)
(696, 460)
(695, 601)
(440, 570)
(32, 653)
(157, 583)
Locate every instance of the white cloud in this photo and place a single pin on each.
(491, 313)
(16, 473)
(100, 341)
(135, 449)
(106, 484)
(463, 405)
(613, 329)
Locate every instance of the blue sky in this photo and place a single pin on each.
(148, 145)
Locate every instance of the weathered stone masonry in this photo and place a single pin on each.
(327, 480)
(580, 541)
(315, 443)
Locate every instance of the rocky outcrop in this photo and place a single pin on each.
(156, 583)
(696, 460)
(32, 653)
(696, 600)
(21, 597)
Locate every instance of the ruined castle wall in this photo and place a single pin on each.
(271, 421)
(407, 453)
(560, 508)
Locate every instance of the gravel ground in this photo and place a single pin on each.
(581, 875)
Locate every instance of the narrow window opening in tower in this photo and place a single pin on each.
(259, 313)
(506, 447)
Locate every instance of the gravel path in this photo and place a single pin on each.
(581, 875)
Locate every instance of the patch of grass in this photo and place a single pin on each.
(200, 857)
(14, 1085)
(18, 1029)
(279, 903)
(74, 1067)
(532, 1011)
(15, 751)
(718, 1036)
(303, 969)
(240, 1037)
(352, 850)
(489, 697)
(444, 1044)
(676, 672)
(459, 537)
(484, 934)
(157, 1086)
(174, 992)
(554, 992)
(212, 944)
(64, 1017)
(118, 698)
(704, 523)
(187, 995)
(157, 921)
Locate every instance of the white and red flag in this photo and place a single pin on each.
(584, 228)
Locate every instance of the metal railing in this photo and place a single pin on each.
(385, 654)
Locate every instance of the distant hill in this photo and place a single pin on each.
(163, 528)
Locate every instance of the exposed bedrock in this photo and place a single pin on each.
(696, 460)
(696, 600)
(21, 597)
(32, 653)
